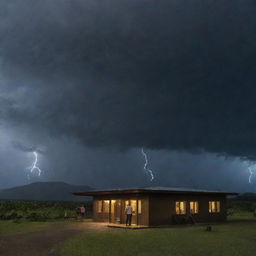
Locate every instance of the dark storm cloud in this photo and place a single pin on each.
(25, 148)
(160, 74)
(19, 146)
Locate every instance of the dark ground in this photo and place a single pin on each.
(41, 243)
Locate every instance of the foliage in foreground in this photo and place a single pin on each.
(227, 239)
(242, 203)
(37, 211)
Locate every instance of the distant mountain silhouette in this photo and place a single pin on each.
(44, 191)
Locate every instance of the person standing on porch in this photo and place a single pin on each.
(128, 211)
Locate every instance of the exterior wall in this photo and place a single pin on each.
(143, 219)
(159, 209)
(139, 219)
(162, 208)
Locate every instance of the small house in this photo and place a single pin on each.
(155, 206)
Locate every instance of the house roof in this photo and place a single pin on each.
(150, 190)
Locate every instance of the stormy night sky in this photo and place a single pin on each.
(88, 83)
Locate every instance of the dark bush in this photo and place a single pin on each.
(38, 211)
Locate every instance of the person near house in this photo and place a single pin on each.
(128, 211)
(83, 210)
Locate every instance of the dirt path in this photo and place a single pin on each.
(40, 243)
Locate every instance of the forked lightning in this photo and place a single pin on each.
(146, 165)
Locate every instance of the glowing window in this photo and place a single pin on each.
(214, 206)
(113, 204)
(127, 202)
(134, 206)
(180, 207)
(194, 209)
(99, 206)
(139, 207)
(106, 206)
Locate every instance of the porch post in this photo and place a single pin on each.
(109, 214)
(137, 216)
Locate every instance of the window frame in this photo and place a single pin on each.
(216, 208)
(195, 207)
(178, 204)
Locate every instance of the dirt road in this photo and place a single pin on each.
(41, 243)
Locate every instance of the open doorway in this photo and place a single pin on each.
(115, 215)
(133, 204)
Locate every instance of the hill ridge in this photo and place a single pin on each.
(44, 191)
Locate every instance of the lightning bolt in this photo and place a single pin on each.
(252, 170)
(146, 165)
(34, 166)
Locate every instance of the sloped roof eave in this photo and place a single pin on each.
(149, 191)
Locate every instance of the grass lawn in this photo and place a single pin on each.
(242, 215)
(10, 227)
(232, 239)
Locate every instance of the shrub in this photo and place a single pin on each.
(37, 211)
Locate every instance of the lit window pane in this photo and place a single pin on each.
(218, 206)
(214, 206)
(139, 207)
(177, 208)
(194, 207)
(180, 207)
(134, 206)
(106, 206)
(99, 206)
(113, 205)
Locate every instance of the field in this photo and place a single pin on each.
(58, 231)
(75, 238)
(236, 237)
(225, 240)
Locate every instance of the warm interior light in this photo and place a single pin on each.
(180, 207)
(214, 206)
(139, 207)
(218, 206)
(99, 206)
(113, 203)
(134, 206)
(194, 207)
(106, 206)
